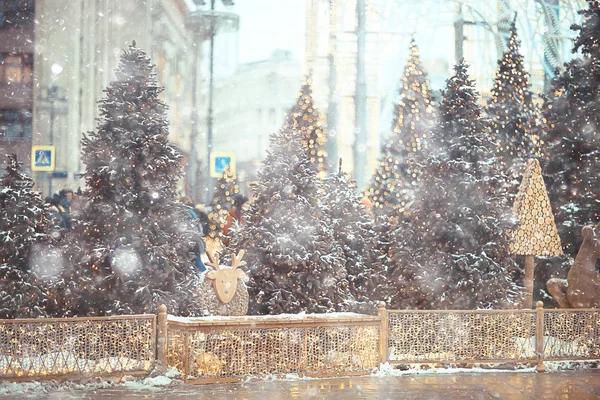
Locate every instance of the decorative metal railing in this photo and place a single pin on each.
(230, 348)
(49, 348)
(491, 336)
(571, 334)
(461, 336)
(220, 349)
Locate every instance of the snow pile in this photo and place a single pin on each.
(152, 383)
(388, 370)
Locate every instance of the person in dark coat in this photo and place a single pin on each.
(199, 246)
(63, 203)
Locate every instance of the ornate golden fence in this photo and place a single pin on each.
(571, 334)
(217, 349)
(51, 348)
(230, 348)
(491, 336)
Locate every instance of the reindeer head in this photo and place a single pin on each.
(226, 277)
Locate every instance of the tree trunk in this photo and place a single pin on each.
(528, 282)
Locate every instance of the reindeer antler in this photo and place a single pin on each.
(213, 260)
(236, 261)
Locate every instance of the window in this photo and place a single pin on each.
(16, 68)
(15, 124)
(18, 13)
(272, 116)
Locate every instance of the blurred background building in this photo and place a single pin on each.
(252, 104)
(445, 32)
(57, 56)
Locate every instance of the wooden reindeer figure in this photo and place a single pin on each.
(226, 278)
(581, 289)
(223, 291)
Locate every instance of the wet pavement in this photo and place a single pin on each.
(580, 385)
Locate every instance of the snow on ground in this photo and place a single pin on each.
(172, 377)
(169, 378)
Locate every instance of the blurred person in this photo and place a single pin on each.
(203, 219)
(53, 211)
(235, 216)
(199, 246)
(63, 202)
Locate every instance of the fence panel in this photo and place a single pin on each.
(231, 348)
(572, 334)
(74, 347)
(461, 336)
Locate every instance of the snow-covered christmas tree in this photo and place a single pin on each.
(294, 262)
(137, 238)
(512, 113)
(303, 119)
(354, 232)
(453, 253)
(397, 174)
(571, 122)
(24, 224)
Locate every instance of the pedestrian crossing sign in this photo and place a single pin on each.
(43, 158)
(219, 161)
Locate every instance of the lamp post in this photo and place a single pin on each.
(52, 96)
(206, 24)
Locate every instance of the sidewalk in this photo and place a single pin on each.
(580, 385)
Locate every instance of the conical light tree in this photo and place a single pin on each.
(303, 119)
(24, 224)
(138, 236)
(453, 252)
(571, 122)
(397, 174)
(226, 187)
(511, 110)
(536, 233)
(295, 265)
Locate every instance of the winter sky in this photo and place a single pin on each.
(265, 26)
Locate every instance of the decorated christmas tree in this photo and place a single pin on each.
(571, 120)
(511, 110)
(536, 232)
(295, 265)
(397, 175)
(354, 232)
(303, 119)
(225, 188)
(453, 253)
(24, 234)
(138, 239)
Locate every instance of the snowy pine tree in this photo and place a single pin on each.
(397, 174)
(354, 232)
(294, 263)
(24, 224)
(454, 251)
(303, 119)
(512, 112)
(137, 237)
(571, 121)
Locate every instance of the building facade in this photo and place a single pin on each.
(61, 55)
(16, 78)
(251, 105)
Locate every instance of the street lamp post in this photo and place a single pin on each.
(51, 98)
(206, 25)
